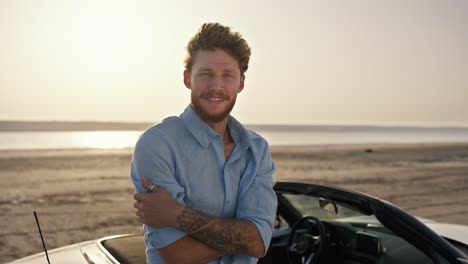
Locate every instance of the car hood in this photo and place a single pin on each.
(68, 254)
(73, 254)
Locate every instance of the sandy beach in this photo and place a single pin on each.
(86, 194)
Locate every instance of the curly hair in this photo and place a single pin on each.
(212, 36)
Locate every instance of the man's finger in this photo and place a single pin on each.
(137, 205)
(139, 214)
(138, 196)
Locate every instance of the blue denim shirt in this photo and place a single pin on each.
(185, 156)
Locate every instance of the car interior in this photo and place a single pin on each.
(314, 230)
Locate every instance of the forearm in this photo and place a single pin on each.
(229, 236)
(188, 250)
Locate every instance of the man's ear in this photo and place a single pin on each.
(241, 84)
(187, 81)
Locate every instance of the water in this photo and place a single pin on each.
(275, 136)
(68, 140)
(366, 136)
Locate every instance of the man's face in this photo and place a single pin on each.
(215, 80)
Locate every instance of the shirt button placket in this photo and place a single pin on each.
(227, 188)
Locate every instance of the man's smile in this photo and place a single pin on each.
(215, 99)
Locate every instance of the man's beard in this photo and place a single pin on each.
(207, 117)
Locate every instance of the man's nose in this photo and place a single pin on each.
(217, 83)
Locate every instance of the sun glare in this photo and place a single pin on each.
(108, 37)
(105, 139)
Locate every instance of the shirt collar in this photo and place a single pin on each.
(203, 133)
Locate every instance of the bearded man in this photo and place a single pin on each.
(204, 182)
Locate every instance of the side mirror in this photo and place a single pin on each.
(328, 206)
(278, 221)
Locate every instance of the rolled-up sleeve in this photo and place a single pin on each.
(258, 202)
(153, 159)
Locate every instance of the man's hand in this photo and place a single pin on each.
(157, 208)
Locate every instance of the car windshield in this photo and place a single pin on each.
(311, 205)
(327, 210)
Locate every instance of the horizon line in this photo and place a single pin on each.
(115, 124)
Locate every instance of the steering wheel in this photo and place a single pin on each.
(308, 243)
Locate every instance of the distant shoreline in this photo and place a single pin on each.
(33, 126)
(36, 126)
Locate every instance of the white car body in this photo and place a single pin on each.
(375, 213)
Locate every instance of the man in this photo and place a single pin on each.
(204, 183)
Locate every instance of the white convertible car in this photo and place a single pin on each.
(318, 224)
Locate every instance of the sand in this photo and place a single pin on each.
(86, 194)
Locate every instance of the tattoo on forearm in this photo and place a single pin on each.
(235, 238)
(192, 221)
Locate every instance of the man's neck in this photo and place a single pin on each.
(219, 127)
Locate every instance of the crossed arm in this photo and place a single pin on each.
(229, 236)
(208, 237)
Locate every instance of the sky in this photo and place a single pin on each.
(362, 62)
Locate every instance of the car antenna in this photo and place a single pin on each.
(42, 238)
